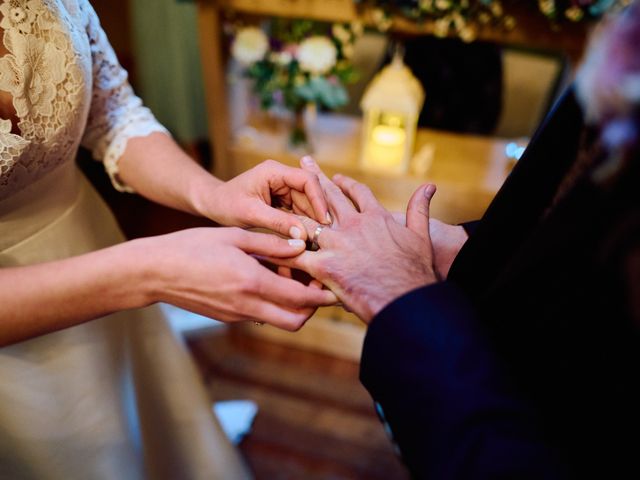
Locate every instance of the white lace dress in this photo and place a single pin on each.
(116, 398)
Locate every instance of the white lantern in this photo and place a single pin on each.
(391, 106)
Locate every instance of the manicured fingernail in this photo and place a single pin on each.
(296, 243)
(430, 191)
(295, 232)
(307, 160)
(329, 219)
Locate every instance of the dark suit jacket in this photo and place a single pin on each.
(525, 362)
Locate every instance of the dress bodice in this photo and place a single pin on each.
(66, 88)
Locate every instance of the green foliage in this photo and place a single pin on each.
(278, 79)
(319, 90)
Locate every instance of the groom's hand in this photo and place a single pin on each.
(366, 257)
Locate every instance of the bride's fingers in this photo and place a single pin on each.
(301, 206)
(302, 181)
(291, 293)
(277, 315)
(266, 244)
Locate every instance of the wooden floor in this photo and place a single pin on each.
(315, 420)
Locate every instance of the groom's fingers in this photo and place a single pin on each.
(418, 210)
(339, 204)
(359, 193)
(285, 272)
(324, 238)
(400, 218)
(306, 261)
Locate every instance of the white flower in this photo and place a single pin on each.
(467, 34)
(459, 21)
(5, 126)
(381, 20)
(348, 50)
(574, 13)
(426, 5)
(317, 55)
(357, 28)
(496, 9)
(340, 33)
(441, 27)
(283, 58)
(31, 73)
(250, 45)
(547, 6)
(16, 16)
(509, 22)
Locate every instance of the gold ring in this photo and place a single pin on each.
(315, 237)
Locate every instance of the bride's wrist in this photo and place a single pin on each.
(142, 266)
(204, 193)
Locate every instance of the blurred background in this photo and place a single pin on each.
(483, 99)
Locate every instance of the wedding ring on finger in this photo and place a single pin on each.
(316, 236)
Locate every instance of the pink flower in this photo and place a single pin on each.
(291, 49)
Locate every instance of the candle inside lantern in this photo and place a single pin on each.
(391, 107)
(386, 147)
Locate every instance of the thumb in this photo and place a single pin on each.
(286, 224)
(418, 210)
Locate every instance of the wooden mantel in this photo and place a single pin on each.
(533, 30)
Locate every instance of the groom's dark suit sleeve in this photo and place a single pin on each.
(432, 374)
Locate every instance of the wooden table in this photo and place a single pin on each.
(468, 169)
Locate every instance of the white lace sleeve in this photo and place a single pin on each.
(116, 113)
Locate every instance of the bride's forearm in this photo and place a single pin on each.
(46, 297)
(158, 169)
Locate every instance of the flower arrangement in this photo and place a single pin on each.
(464, 17)
(294, 63)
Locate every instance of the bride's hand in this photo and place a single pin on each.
(211, 271)
(251, 199)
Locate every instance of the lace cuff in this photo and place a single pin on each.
(116, 113)
(138, 128)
